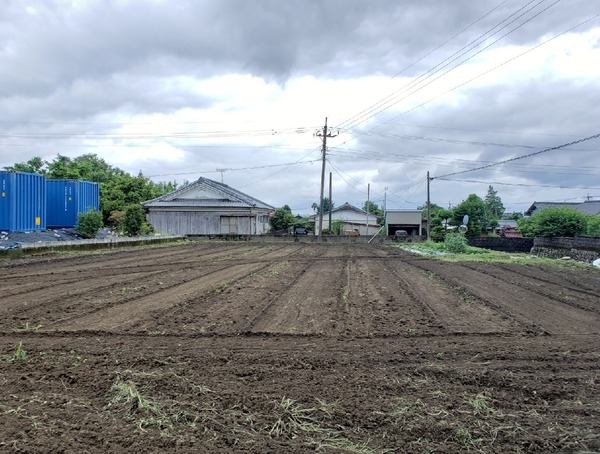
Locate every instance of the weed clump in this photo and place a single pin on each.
(20, 354)
(455, 243)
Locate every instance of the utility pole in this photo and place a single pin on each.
(330, 207)
(385, 209)
(368, 205)
(323, 134)
(428, 208)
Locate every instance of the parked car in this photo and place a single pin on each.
(301, 231)
(400, 235)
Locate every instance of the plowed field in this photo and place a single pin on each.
(275, 348)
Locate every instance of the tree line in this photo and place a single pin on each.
(483, 214)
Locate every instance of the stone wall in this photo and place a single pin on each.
(583, 249)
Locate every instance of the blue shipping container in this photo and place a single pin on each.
(22, 201)
(67, 198)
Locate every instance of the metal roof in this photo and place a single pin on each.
(226, 197)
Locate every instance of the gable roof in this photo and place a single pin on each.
(209, 194)
(345, 207)
(588, 207)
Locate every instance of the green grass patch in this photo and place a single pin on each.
(439, 251)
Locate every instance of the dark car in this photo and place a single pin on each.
(400, 234)
(301, 231)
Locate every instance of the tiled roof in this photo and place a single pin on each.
(589, 207)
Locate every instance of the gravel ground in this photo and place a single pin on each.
(11, 240)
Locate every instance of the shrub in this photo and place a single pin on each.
(593, 226)
(555, 222)
(89, 223)
(456, 243)
(133, 221)
(114, 220)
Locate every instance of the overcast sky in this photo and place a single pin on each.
(181, 88)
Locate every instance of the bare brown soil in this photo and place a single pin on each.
(243, 347)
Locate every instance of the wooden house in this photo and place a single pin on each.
(207, 207)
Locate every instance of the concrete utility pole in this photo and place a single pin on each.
(323, 134)
(428, 208)
(368, 204)
(330, 207)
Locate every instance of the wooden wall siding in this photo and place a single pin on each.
(201, 223)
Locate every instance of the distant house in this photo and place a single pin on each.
(207, 207)
(588, 207)
(353, 220)
(508, 228)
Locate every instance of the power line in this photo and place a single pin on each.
(558, 147)
(491, 69)
(382, 101)
(388, 102)
(519, 184)
(234, 169)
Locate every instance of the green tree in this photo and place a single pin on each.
(593, 226)
(439, 218)
(327, 205)
(124, 190)
(282, 219)
(554, 222)
(133, 221)
(374, 209)
(89, 223)
(494, 208)
(475, 208)
(34, 165)
(336, 227)
(88, 167)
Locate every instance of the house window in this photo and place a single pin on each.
(263, 219)
(229, 224)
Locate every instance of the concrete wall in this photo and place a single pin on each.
(85, 245)
(503, 244)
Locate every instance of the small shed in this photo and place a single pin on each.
(409, 220)
(207, 207)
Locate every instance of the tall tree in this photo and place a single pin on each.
(475, 208)
(494, 208)
(372, 208)
(282, 219)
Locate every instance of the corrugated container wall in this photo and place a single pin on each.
(22, 201)
(67, 198)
